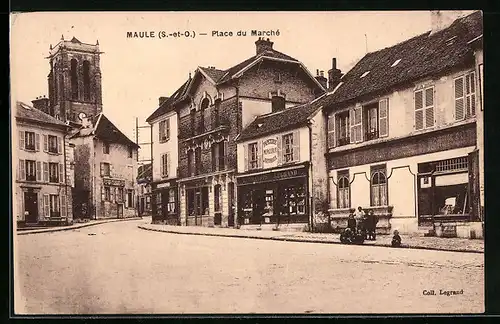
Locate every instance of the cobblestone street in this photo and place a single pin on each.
(119, 268)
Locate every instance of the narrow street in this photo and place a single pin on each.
(118, 268)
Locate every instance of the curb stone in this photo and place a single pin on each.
(69, 228)
(292, 239)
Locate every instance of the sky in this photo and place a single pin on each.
(136, 71)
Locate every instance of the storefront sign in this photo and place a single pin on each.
(273, 176)
(114, 182)
(163, 185)
(270, 152)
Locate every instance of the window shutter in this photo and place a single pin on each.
(331, 131)
(21, 140)
(61, 173)
(429, 107)
(45, 143)
(259, 154)
(38, 171)
(59, 145)
(63, 206)
(245, 154)
(225, 153)
(22, 170)
(162, 166)
(102, 168)
(296, 146)
(419, 113)
(352, 126)
(459, 98)
(45, 172)
(168, 128)
(103, 196)
(160, 131)
(37, 142)
(383, 114)
(46, 206)
(359, 122)
(112, 195)
(167, 161)
(279, 145)
(473, 93)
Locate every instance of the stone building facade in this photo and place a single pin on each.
(402, 134)
(282, 178)
(212, 108)
(42, 157)
(74, 81)
(106, 164)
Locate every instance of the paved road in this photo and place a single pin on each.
(122, 269)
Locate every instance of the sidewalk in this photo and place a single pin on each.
(72, 227)
(412, 242)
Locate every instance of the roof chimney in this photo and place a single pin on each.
(162, 100)
(443, 19)
(320, 76)
(262, 45)
(41, 103)
(334, 75)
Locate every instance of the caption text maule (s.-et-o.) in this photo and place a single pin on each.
(192, 34)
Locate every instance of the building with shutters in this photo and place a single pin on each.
(164, 189)
(212, 108)
(402, 133)
(282, 179)
(43, 179)
(106, 165)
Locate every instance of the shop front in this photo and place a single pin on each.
(275, 196)
(164, 200)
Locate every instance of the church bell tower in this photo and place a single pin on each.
(74, 80)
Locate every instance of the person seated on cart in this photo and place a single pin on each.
(351, 223)
(360, 219)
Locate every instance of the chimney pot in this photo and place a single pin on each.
(334, 63)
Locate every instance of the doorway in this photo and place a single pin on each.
(31, 207)
(119, 211)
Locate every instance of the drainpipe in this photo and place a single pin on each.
(311, 200)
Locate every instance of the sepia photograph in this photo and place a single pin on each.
(191, 163)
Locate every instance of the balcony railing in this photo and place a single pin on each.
(205, 127)
(371, 135)
(344, 141)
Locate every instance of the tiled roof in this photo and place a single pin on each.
(419, 57)
(105, 130)
(144, 172)
(167, 105)
(218, 76)
(28, 112)
(213, 73)
(288, 118)
(269, 53)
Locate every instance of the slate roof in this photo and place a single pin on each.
(218, 76)
(167, 105)
(289, 118)
(105, 130)
(28, 112)
(421, 56)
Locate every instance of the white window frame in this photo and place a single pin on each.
(468, 99)
(425, 109)
(253, 163)
(164, 166)
(164, 130)
(356, 129)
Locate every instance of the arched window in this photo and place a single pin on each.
(54, 82)
(204, 105)
(74, 79)
(343, 200)
(86, 80)
(378, 188)
(192, 117)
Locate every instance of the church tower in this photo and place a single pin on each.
(74, 80)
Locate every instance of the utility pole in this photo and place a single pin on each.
(142, 160)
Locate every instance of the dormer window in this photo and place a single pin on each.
(396, 63)
(364, 74)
